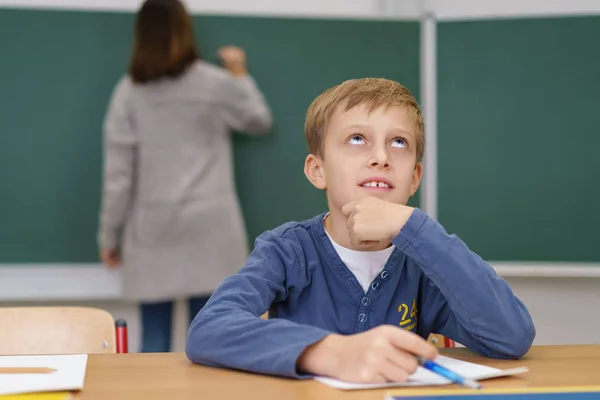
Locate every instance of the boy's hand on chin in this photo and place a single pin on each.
(371, 220)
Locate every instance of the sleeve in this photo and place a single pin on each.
(244, 107)
(120, 144)
(228, 332)
(463, 298)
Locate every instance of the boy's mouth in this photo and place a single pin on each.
(376, 183)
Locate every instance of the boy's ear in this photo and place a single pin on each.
(313, 169)
(416, 178)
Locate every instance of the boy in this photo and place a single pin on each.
(354, 292)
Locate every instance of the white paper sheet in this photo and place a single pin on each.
(424, 377)
(70, 374)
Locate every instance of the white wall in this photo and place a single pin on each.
(443, 9)
(565, 310)
(471, 9)
(305, 8)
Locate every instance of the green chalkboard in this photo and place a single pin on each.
(57, 71)
(519, 135)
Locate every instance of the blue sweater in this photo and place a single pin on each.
(432, 283)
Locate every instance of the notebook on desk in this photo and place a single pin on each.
(68, 374)
(424, 377)
(545, 393)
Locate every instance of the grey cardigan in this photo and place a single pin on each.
(168, 199)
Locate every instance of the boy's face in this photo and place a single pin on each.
(367, 154)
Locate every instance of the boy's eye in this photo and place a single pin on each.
(399, 142)
(356, 139)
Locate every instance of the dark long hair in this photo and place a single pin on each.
(164, 41)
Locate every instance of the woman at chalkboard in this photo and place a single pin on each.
(170, 217)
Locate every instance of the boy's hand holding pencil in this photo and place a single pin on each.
(383, 354)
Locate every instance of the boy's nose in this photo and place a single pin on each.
(380, 159)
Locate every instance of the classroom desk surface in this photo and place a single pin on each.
(171, 376)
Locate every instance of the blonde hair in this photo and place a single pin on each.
(372, 92)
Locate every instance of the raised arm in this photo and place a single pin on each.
(244, 106)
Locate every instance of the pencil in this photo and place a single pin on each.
(446, 373)
(26, 370)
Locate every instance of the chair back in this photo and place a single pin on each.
(56, 330)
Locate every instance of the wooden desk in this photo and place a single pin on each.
(171, 376)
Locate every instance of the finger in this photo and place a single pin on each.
(371, 376)
(403, 360)
(349, 207)
(413, 343)
(223, 54)
(354, 239)
(360, 233)
(392, 372)
(114, 261)
(366, 244)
